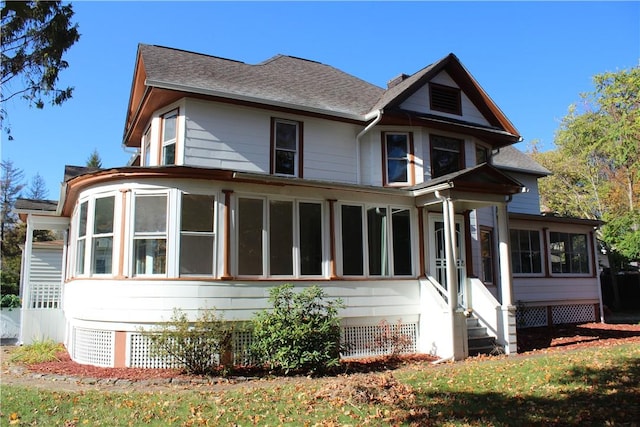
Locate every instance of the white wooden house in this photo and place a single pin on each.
(408, 202)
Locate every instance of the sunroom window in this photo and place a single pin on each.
(569, 253)
(169, 137)
(279, 238)
(525, 252)
(150, 234)
(197, 235)
(387, 245)
(81, 242)
(102, 247)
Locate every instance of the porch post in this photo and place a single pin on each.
(507, 319)
(458, 335)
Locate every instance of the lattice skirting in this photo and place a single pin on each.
(93, 346)
(530, 317)
(379, 339)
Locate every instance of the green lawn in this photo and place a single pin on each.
(597, 386)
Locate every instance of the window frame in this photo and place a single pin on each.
(408, 159)
(80, 262)
(552, 252)
(391, 248)
(298, 152)
(433, 150)
(267, 238)
(168, 142)
(541, 250)
(108, 235)
(213, 234)
(491, 258)
(146, 144)
(148, 235)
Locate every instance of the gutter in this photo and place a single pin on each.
(378, 117)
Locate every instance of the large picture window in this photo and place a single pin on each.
(398, 153)
(447, 155)
(279, 238)
(526, 252)
(387, 245)
(197, 234)
(169, 137)
(286, 142)
(150, 234)
(569, 253)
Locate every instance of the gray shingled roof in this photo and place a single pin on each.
(281, 79)
(35, 205)
(510, 158)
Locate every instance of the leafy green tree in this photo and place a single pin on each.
(596, 163)
(35, 36)
(94, 160)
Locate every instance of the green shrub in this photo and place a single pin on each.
(10, 301)
(200, 346)
(301, 334)
(38, 352)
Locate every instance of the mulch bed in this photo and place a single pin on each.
(543, 339)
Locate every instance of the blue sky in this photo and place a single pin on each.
(532, 58)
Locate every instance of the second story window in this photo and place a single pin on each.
(286, 147)
(169, 137)
(447, 155)
(398, 152)
(146, 150)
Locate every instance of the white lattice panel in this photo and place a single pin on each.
(93, 346)
(573, 314)
(363, 341)
(242, 348)
(44, 295)
(140, 354)
(531, 317)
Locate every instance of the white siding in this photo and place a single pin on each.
(238, 138)
(419, 102)
(529, 202)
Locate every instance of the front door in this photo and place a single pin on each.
(437, 255)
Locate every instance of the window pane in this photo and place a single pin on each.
(377, 239)
(80, 256)
(397, 171)
(151, 214)
(197, 212)
(150, 256)
(169, 154)
(352, 240)
(250, 214)
(196, 254)
(397, 146)
(310, 239)
(446, 155)
(82, 221)
(169, 123)
(285, 162)
(401, 223)
(102, 255)
(280, 238)
(103, 222)
(525, 251)
(486, 251)
(286, 135)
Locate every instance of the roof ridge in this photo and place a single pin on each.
(197, 53)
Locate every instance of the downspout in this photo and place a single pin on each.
(375, 121)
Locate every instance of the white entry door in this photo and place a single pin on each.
(437, 255)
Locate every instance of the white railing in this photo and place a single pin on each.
(485, 307)
(444, 293)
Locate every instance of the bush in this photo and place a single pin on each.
(390, 339)
(301, 334)
(38, 352)
(200, 346)
(10, 301)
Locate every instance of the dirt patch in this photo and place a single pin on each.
(65, 374)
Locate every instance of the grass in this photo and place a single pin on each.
(596, 386)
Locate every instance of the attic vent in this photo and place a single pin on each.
(396, 80)
(445, 99)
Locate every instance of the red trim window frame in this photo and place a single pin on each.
(393, 158)
(286, 148)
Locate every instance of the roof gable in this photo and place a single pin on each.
(396, 95)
